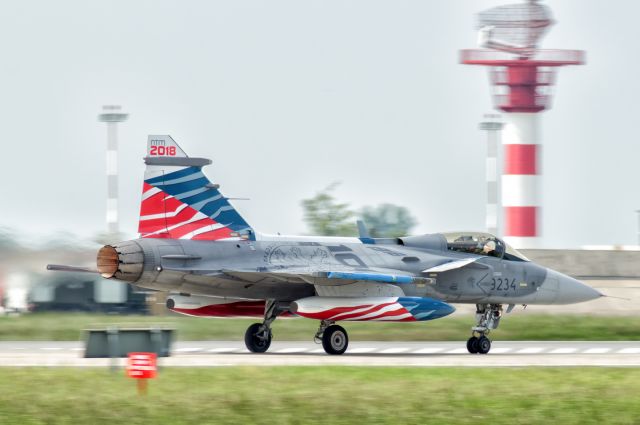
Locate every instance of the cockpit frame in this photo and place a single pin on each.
(479, 243)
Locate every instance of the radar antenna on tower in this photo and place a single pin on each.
(522, 76)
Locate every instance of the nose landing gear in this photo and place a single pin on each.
(487, 318)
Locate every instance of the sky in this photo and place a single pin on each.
(288, 96)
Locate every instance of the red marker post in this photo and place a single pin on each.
(142, 366)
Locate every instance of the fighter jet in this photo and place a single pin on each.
(196, 246)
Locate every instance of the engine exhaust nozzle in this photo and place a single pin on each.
(122, 261)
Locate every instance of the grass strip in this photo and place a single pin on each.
(322, 395)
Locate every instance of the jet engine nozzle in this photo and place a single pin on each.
(122, 261)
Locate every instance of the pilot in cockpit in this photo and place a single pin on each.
(489, 248)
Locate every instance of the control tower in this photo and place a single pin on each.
(522, 77)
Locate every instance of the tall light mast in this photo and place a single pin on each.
(522, 77)
(112, 115)
(493, 126)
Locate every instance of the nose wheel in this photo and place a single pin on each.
(487, 318)
(479, 345)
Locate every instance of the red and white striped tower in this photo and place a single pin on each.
(522, 77)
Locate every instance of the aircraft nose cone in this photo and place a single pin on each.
(571, 290)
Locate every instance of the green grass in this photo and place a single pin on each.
(61, 327)
(323, 395)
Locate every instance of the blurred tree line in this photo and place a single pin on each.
(326, 216)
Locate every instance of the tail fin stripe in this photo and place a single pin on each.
(216, 200)
(178, 188)
(178, 200)
(188, 178)
(223, 233)
(190, 193)
(220, 211)
(208, 196)
(163, 215)
(149, 193)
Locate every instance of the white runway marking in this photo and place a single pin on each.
(427, 350)
(500, 350)
(223, 350)
(597, 350)
(530, 350)
(394, 350)
(360, 350)
(188, 349)
(458, 351)
(630, 350)
(563, 351)
(51, 348)
(292, 350)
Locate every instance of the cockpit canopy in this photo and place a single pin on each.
(482, 244)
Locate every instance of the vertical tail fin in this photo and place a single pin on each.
(179, 201)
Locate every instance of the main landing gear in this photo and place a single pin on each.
(333, 337)
(487, 318)
(258, 336)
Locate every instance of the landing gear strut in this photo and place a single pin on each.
(258, 336)
(333, 337)
(487, 318)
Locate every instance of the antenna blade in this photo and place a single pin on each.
(362, 229)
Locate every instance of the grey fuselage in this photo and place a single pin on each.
(281, 268)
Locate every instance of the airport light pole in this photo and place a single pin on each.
(493, 127)
(112, 115)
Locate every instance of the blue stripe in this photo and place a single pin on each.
(178, 188)
(426, 308)
(231, 216)
(209, 194)
(374, 277)
(176, 174)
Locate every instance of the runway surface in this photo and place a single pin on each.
(360, 353)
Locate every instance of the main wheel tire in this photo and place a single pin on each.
(472, 345)
(335, 340)
(484, 345)
(253, 342)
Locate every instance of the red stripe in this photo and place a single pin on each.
(179, 232)
(326, 314)
(521, 221)
(153, 205)
(213, 235)
(182, 216)
(362, 313)
(520, 159)
(161, 203)
(233, 309)
(399, 312)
